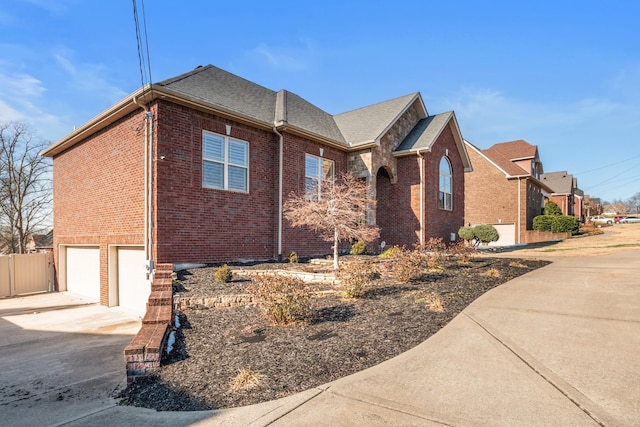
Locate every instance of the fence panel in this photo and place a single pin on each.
(5, 276)
(26, 274)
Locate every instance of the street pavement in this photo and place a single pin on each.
(559, 346)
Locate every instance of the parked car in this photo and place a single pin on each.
(617, 219)
(601, 220)
(630, 219)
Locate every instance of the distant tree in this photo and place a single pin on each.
(552, 208)
(337, 209)
(634, 203)
(25, 186)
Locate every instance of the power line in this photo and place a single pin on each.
(145, 68)
(606, 166)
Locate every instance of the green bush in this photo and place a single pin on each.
(563, 224)
(542, 222)
(486, 233)
(467, 233)
(285, 299)
(556, 223)
(359, 248)
(224, 274)
(552, 208)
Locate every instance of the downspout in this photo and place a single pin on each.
(519, 211)
(280, 168)
(422, 219)
(148, 180)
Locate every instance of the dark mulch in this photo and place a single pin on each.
(343, 337)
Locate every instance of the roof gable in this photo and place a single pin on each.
(426, 133)
(560, 182)
(516, 150)
(368, 124)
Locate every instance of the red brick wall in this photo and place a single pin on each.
(440, 222)
(489, 197)
(98, 190)
(196, 224)
(398, 209)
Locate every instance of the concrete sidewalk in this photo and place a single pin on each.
(558, 346)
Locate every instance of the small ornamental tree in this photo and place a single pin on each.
(552, 208)
(337, 209)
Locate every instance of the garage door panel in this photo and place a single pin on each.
(83, 271)
(133, 286)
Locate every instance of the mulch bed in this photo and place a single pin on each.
(343, 336)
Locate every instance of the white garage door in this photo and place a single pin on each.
(83, 271)
(507, 233)
(133, 286)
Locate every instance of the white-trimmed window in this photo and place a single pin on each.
(446, 194)
(317, 169)
(225, 162)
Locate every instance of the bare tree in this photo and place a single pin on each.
(25, 186)
(337, 209)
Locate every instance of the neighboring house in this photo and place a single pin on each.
(504, 189)
(592, 206)
(195, 169)
(41, 242)
(565, 192)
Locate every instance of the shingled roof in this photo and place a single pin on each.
(213, 88)
(560, 182)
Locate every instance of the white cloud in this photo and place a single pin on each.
(87, 79)
(284, 57)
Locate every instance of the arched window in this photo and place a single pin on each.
(446, 192)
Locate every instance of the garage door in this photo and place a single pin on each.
(507, 233)
(133, 286)
(83, 271)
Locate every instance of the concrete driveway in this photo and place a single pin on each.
(60, 358)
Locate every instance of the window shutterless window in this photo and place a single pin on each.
(225, 162)
(317, 170)
(445, 194)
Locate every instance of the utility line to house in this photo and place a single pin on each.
(609, 165)
(143, 48)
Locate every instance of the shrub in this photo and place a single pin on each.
(436, 250)
(292, 257)
(359, 248)
(285, 299)
(486, 233)
(462, 251)
(542, 222)
(409, 265)
(356, 277)
(563, 223)
(556, 223)
(392, 252)
(467, 233)
(224, 274)
(552, 208)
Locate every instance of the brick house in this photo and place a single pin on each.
(504, 189)
(565, 192)
(195, 169)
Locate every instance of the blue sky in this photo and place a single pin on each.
(563, 75)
